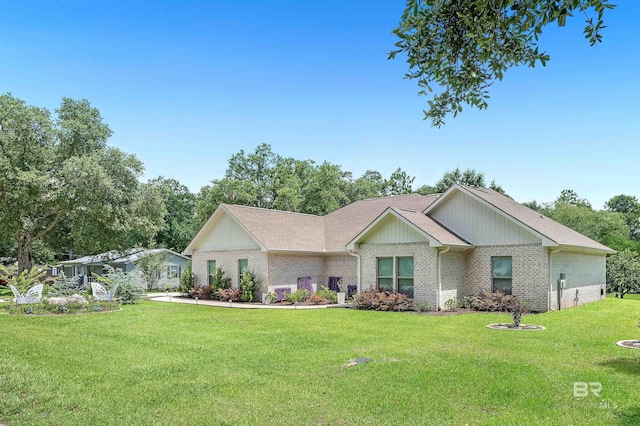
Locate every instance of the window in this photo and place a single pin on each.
(212, 270)
(405, 276)
(399, 280)
(385, 274)
(501, 273)
(173, 271)
(243, 266)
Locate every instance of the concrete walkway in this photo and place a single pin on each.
(174, 298)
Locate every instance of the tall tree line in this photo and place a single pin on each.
(64, 190)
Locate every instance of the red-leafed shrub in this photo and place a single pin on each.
(229, 294)
(374, 300)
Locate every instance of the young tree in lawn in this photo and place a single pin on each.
(460, 48)
(60, 182)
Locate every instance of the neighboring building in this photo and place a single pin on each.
(431, 248)
(88, 266)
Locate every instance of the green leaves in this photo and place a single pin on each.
(463, 46)
(62, 185)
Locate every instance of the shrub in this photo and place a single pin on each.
(452, 304)
(249, 286)
(24, 281)
(228, 294)
(65, 286)
(316, 299)
(515, 307)
(325, 293)
(421, 306)
(487, 301)
(187, 281)
(382, 301)
(202, 292)
(219, 281)
(297, 296)
(466, 302)
(271, 298)
(129, 289)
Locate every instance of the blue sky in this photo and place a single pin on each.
(184, 85)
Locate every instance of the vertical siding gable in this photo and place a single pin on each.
(479, 224)
(393, 230)
(226, 234)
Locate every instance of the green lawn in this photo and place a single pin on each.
(159, 363)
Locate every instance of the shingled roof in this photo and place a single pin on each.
(276, 230)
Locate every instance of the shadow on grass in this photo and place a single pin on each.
(624, 365)
(630, 416)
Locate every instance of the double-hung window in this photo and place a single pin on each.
(501, 273)
(405, 276)
(395, 279)
(385, 274)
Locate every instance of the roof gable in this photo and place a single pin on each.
(550, 232)
(403, 226)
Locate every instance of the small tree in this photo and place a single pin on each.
(249, 286)
(515, 307)
(129, 289)
(219, 281)
(623, 272)
(187, 280)
(152, 267)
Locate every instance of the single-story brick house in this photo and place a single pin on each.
(432, 248)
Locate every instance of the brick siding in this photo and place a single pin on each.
(425, 274)
(530, 265)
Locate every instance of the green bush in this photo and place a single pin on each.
(421, 306)
(187, 281)
(249, 287)
(452, 304)
(466, 302)
(325, 293)
(129, 288)
(219, 281)
(297, 296)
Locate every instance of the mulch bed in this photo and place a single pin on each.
(631, 344)
(509, 326)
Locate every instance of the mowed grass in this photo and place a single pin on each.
(160, 363)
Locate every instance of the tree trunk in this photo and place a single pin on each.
(25, 259)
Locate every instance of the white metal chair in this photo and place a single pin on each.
(33, 295)
(101, 293)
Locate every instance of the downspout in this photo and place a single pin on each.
(551, 252)
(440, 253)
(357, 256)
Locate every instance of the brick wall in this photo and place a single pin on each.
(530, 271)
(228, 261)
(453, 268)
(286, 269)
(425, 275)
(584, 272)
(341, 266)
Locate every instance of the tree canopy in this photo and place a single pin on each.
(61, 184)
(456, 49)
